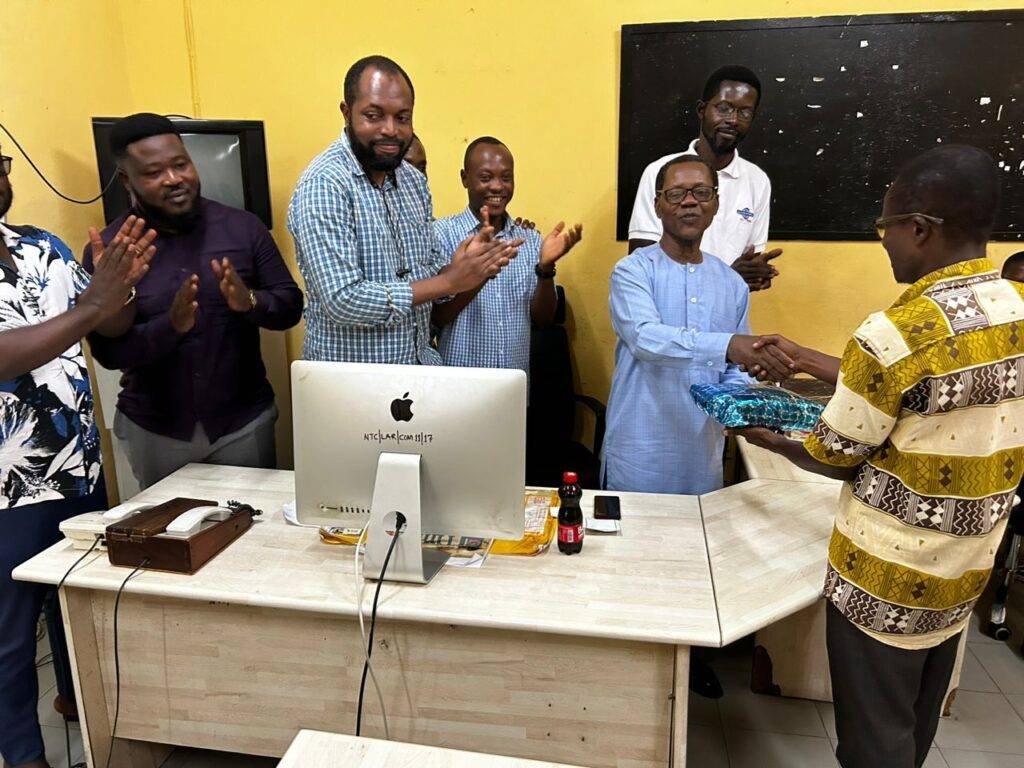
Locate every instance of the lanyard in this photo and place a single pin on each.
(396, 235)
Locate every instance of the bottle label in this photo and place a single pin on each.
(570, 534)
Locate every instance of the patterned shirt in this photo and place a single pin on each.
(673, 323)
(929, 407)
(493, 330)
(49, 444)
(359, 248)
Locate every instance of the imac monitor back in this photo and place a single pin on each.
(467, 424)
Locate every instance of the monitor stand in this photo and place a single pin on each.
(397, 489)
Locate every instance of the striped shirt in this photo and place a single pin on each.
(493, 330)
(359, 248)
(929, 407)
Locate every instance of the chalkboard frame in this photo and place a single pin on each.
(632, 33)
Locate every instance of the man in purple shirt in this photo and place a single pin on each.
(194, 387)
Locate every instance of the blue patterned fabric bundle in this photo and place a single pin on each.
(743, 405)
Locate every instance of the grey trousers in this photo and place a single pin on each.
(153, 457)
(887, 700)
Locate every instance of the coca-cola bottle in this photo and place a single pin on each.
(570, 516)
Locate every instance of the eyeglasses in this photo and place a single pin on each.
(725, 109)
(884, 221)
(676, 195)
(5, 165)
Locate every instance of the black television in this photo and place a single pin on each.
(230, 155)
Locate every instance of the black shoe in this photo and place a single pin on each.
(703, 680)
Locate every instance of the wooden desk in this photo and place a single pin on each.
(316, 749)
(579, 659)
(767, 541)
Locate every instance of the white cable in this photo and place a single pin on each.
(361, 589)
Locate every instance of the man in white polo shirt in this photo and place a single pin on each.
(739, 232)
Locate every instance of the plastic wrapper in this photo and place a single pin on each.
(745, 405)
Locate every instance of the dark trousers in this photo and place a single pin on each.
(24, 532)
(887, 700)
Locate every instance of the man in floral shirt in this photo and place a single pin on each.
(49, 444)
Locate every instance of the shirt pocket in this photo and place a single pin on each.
(419, 234)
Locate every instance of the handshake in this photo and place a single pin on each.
(776, 358)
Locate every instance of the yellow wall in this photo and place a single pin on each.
(544, 81)
(60, 63)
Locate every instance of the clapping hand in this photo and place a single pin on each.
(480, 257)
(232, 288)
(109, 289)
(137, 241)
(558, 243)
(184, 306)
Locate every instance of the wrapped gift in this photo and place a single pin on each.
(749, 405)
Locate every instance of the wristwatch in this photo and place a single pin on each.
(542, 274)
(252, 299)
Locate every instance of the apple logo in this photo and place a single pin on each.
(401, 408)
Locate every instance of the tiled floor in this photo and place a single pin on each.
(743, 729)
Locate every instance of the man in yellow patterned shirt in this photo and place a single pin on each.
(927, 429)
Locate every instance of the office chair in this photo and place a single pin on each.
(551, 416)
(1012, 571)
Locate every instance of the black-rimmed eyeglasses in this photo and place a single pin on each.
(676, 195)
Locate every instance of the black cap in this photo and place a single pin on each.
(136, 127)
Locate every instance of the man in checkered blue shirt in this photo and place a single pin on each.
(489, 326)
(362, 223)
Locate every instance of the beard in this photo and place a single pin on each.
(369, 159)
(162, 221)
(716, 147)
(6, 203)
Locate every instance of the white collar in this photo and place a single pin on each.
(733, 170)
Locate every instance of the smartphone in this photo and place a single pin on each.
(607, 508)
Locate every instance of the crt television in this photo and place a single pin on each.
(230, 155)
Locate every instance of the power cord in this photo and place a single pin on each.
(117, 658)
(74, 565)
(46, 181)
(399, 525)
(360, 590)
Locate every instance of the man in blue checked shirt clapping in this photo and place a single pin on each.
(489, 325)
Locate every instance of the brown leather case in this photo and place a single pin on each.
(134, 540)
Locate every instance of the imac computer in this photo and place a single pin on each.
(445, 447)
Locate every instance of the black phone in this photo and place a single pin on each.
(607, 508)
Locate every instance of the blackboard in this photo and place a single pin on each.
(845, 101)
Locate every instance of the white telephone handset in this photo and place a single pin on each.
(191, 521)
(123, 510)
